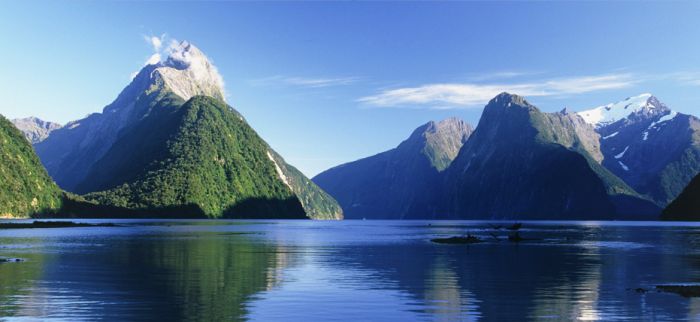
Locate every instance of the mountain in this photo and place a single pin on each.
(652, 148)
(25, 187)
(401, 183)
(70, 151)
(197, 158)
(687, 205)
(521, 163)
(35, 129)
(169, 145)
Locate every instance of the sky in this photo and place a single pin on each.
(331, 82)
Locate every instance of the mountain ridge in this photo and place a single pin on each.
(398, 183)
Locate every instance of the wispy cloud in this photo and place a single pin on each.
(464, 95)
(685, 78)
(313, 82)
(157, 43)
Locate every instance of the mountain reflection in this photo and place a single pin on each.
(204, 277)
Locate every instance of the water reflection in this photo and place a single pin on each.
(353, 270)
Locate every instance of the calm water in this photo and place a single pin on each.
(352, 270)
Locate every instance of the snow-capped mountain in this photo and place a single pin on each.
(654, 149)
(644, 104)
(522, 163)
(35, 129)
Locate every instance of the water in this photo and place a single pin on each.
(351, 270)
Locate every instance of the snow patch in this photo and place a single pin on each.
(279, 170)
(624, 167)
(611, 135)
(622, 154)
(665, 118)
(611, 113)
(646, 135)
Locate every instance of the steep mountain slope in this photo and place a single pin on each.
(651, 147)
(25, 187)
(70, 151)
(317, 203)
(400, 183)
(687, 205)
(521, 163)
(201, 156)
(35, 129)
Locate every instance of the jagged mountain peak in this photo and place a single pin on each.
(504, 104)
(188, 72)
(505, 98)
(642, 104)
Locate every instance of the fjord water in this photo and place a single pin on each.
(348, 270)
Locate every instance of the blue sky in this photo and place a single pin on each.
(327, 83)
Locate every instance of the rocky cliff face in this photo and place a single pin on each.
(35, 129)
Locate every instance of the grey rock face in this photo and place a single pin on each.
(35, 129)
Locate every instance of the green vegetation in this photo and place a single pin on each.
(317, 203)
(201, 157)
(25, 187)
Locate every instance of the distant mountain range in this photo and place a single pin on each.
(34, 129)
(625, 160)
(169, 145)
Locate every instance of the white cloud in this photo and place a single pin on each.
(157, 45)
(306, 81)
(459, 95)
(156, 42)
